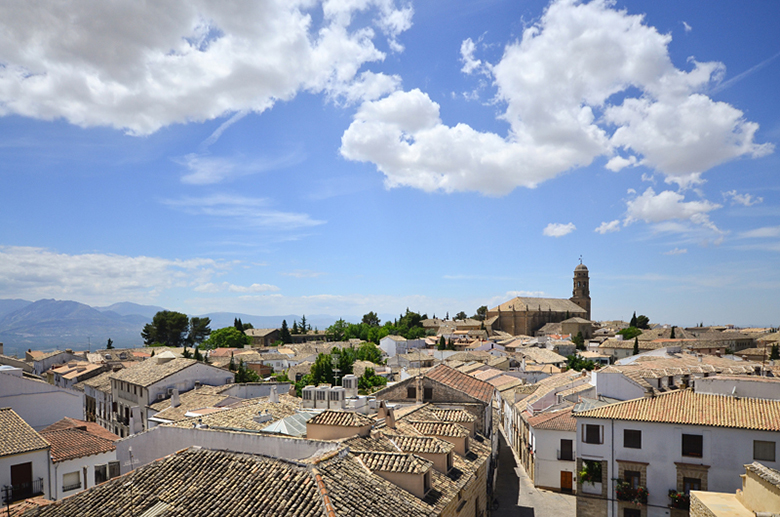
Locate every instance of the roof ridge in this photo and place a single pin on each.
(323, 491)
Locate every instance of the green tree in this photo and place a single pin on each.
(199, 330)
(186, 353)
(636, 345)
(238, 325)
(461, 316)
(575, 362)
(450, 346)
(369, 352)
(167, 327)
(775, 353)
(442, 344)
(579, 341)
(295, 329)
(109, 344)
(337, 331)
(284, 333)
(629, 333)
(228, 337)
(481, 313)
(304, 328)
(244, 374)
(322, 370)
(369, 380)
(197, 356)
(672, 335)
(232, 365)
(371, 319)
(642, 322)
(632, 323)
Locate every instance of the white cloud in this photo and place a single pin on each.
(687, 27)
(303, 273)
(558, 229)
(246, 211)
(34, 273)
(226, 286)
(207, 170)
(565, 69)
(145, 66)
(669, 206)
(676, 251)
(742, 199)
(760, 233)
(612, 226)
(470, 63)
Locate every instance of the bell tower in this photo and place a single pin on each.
(581, 290)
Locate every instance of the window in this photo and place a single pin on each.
(692, 445)
(101, 473)
(71, 481)
(632, 512)
(592, 433)
(691, 484)
(763, 451)
(426, 482)
(411, 392)
(632, 439)
(632, 477)
(566, 452)
(113, 469)
(427, 393)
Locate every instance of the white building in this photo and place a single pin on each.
(39, 403)
(393, 345)
(134, 389)
(24, 459)
(552, 439)
(682, 441)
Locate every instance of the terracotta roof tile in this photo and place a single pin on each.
(150, 371)
(557, 421)
(16, 435)
(420, 444)
(90, 427)
(67, 444)
(406, 463)
(453, 415)
(440, 428)
(688, 407)
(341, 419)
(460, 381)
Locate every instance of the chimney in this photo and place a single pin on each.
(390, 418)
(419, 390)
(69, 350)
(292, 391)
(175, 402)
(381, 411)
(273, 397)
(649, 393)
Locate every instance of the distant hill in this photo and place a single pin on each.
(132, 309)
(8, 305)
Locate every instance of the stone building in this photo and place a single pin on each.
(526, 315)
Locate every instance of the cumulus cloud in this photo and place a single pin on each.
(33, 273)
(558, 229)
(669, 206)
(568, 86)
(742, 199)
(232, 288)
(246, 211)
(676, 251)
(144, 66)
(470, 63)
(612, 226)
(761, 233)
(303, 273)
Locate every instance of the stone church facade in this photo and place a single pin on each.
(526, 315)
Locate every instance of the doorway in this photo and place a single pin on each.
(566, 481)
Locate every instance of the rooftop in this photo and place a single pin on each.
(688, 407)
(540, 304)
(76, 442)
(460, 381)
(341, 419)
(150, 371)
(90, 427)
(555, 421)
(16, 435)
(241, 416)
(405, 463)
(450, 429)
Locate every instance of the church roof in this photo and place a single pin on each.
(541, 304)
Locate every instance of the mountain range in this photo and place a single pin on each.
(58, 324)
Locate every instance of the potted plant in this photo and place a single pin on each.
(590, 472)
(680, 500)
(625, 491)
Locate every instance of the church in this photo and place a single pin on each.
(525, 315)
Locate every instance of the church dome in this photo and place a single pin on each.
(581, 267)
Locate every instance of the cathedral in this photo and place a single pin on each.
(525, 315)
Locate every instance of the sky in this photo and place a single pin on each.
(344, 156)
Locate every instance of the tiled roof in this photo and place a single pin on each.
(150, 371)
(341, 419)
(545, 386)
(406, 463)
(460, 381)
(440, 428)
(541, 355)
(67, 444)
(540, 304)
(100, 382)
(420, 444)
(90, 427)
(241, 416)
(556, 421)
(688, 407)
(487, 374)
(767, 474)
(16, 435)
(203, 397)
(453, 415)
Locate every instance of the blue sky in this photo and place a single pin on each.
(338, 157)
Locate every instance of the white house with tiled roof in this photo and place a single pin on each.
(24, 459)
(38, 402)
(682, 440)
(552, 437)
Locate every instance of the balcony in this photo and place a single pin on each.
(625, 491)
(565, 455)
(72, 486)
(679, 500)
(13, 493)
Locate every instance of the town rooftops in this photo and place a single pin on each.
(405, 463)
(420, 444)
(90, 427)
(691, 408)
(100, 382)
(341, 419)
(554, 421)
(75, 442)
(242, 416)
(460, 381)
(150, 371)
(16, 435)
(450, 429)
(259, 332)
(453, 415)
(541, 355)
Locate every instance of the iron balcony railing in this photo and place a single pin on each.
(565, 455)
(13, 493)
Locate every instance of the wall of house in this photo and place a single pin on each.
(547, 466)
(334, 432)
(252, 390)
(46, 363)
(59, 469)
(412, 483)
(163, 440)
(753, 387)
(40, 404)
(725, 452)
(40, 467)
(759, 495)
(616, 386)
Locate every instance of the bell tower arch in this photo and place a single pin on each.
(581, 290)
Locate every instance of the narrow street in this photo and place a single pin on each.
(517, 496)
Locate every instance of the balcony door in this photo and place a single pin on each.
(21, 479)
